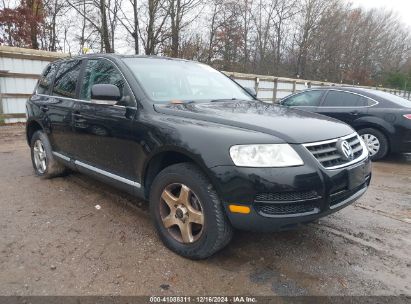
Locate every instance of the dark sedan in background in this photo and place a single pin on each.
(382, 119)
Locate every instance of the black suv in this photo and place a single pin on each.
(205, 153)
(383, 120)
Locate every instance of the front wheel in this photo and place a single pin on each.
(187, 213)
(375, 141)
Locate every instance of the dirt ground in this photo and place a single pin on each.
(53, 241)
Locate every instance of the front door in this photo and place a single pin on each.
(105, 137)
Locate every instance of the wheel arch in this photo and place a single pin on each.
(375, 123)
(31, 127)
(377, 127)
(165, 158)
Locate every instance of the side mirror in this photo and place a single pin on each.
(105, 94)
(251, 91)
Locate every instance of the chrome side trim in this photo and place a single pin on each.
(108, 174)
(99, 171)
(82, 101)
(61, 156)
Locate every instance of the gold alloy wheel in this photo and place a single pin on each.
(181, 213)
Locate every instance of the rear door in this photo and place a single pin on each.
(307, 100)
(60, 105)
(41, 96)
(343, 105)
(104, 133)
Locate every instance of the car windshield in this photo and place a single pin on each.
(391, 97)
(176, 80)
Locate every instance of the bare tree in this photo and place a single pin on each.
(263, 17)
(311, 15)
(284, 11)
(153, 29)
(97, 16)
(318, 39)
(181, 15)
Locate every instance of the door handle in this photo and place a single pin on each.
(78, 117)
(44, 108)
(354, 112)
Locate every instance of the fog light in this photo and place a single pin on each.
(239, 209)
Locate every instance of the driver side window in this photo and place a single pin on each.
(305, 99)
(101, 71)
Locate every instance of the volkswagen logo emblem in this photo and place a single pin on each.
(345, 149)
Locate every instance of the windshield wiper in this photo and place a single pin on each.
(223, 99)
(181, 101)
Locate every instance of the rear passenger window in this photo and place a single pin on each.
(341, 99)
(66, 79)
(101, 71)
(46, 79)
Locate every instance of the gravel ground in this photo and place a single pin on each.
(53, 241)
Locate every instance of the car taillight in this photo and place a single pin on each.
(408, 116)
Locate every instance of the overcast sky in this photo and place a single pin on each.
(402, 7)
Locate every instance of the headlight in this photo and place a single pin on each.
(266, 155)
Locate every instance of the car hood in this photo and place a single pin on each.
(290, 125)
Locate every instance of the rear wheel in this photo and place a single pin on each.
(42, 158)
(187, 213)
(375, 141)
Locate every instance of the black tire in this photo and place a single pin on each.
(383, 141)
(216, 231)
(52, 167)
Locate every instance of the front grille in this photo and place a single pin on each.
(329, 156)
(286, 208)
(341, 196)
(286, 196)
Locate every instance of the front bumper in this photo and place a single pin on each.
(283, 198)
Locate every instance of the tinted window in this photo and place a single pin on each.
(309, 98)
(100, 71)
(66, 79)
(342, 99)
(46, 79)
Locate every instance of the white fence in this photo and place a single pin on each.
(271, 88)
(20, 69)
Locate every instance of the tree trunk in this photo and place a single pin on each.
(135, 34)
(104, 28)
(53, 37)
(33, 24)
(175, 12)
(83, 29)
